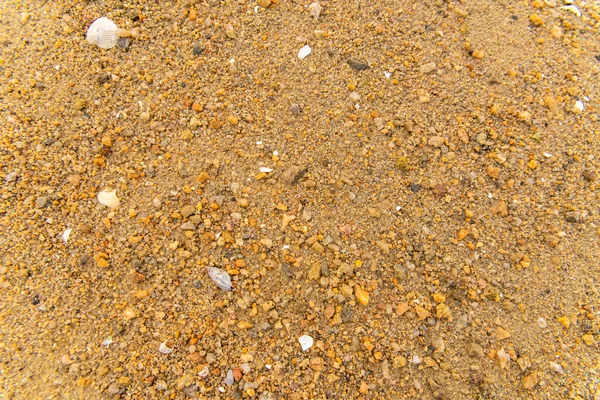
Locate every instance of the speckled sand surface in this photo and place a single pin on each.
(419, 195)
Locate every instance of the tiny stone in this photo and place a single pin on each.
(295, 109)
(357, 65)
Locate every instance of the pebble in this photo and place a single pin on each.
(361, 295)
(315, 10)
(427, 68)
(41, 202)
(542, 323)
(357, 65)
(355, 97)
(187, 210)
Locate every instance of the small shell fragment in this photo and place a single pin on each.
(164, 349)
(556, 368)
(265, 169)
(229, 378)
(107, 342)
(306, 342)
(109, 199)
(304, 51)
(315, 10)
(220, 277)
(66, 234)
(572, 8)
(578, 107)
(542, 323)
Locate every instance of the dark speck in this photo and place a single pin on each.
(197, 50)
(36, 300)
(414, 187)
(514, 17)
(357, 65)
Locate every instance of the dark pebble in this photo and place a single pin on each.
(357, 65)
(197, 50)
(295, 109)
(124, 43)
(414, 187)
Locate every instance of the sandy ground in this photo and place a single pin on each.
(419, 195)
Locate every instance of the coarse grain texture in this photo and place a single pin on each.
(416, 195)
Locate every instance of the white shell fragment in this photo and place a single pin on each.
(220, 277)
(66, 234)
(572, 8)
(109, 199)
(556, 368)
(578, 107)
(315, 10)
(306, 342)
(103, 33)
(305, 51)
(164, 349)
(107, 342)
(265, 169)
(229, 378)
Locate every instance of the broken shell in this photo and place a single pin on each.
(220, 277)
(305, 51)
(107, 342)
(306, 342)
(104, 33)
(315, 10)
(164, 349)
(66, 234)
(109, 199)
(66, 360)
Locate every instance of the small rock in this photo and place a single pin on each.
(478, 54)
(315, 10)
(197, 50)
(113, 388)
(427, 68)
(314, 273)
(530, 381)
(188, 226)
(264, 3)
(41, 202)
(542, 323)
(361, 295)
(573, 216)
(475, 351)
(501, 333)
(295, 109)
(436, 141)
(357, 65)
(186, 211)
(355, 97)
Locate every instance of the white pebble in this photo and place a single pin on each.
(306, 342)
(542, 323)
(354, 96)
(305, 51)
(416, 360)
(220, 277)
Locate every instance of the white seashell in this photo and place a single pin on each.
(107, 342)
(315, 10)
(265, 169)
(204, 373)
(305, 51)
(164, 349)
(220, 277)
(578, 107)
(306, 342)
(542, 323)
(66, 234)
(104, 33)
(109, 199)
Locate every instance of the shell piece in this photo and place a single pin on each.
(109, 199)
(315, 10)
(66, 234)
(305, 51)
(103, 33)
(164, 349)
(306, 342)
(220, 277)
